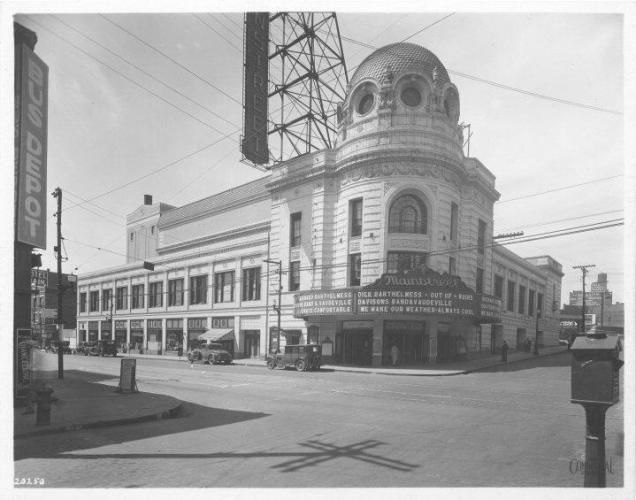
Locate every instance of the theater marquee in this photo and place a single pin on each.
(427, 293)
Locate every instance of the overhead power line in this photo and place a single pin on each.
(123, 75)
(529, 238)
(211, 28)
(560, 188)
(161, 82)
(490, 82)
(152, 47)
(153, 172)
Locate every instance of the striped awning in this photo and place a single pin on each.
(217, 334)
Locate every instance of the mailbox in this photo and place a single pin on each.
(595, 366)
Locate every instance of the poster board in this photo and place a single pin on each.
(127, 376)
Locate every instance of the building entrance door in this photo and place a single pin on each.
(357, 347)
(252, 344)
(446, 347)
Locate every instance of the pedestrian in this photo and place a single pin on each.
(504, 352)
(395, 352)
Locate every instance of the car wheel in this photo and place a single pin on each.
(301, 365)
(271, 364)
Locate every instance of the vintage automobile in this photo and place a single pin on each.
(88, 348)
(302, 356)
(212, 353)
(107, 348)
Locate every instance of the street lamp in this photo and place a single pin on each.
(280, 289)
(536, 335)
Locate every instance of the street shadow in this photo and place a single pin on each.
(190, 417)
(319, 452)
(561, 359)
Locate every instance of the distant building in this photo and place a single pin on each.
(596, 296)
(44, 304)
(384, 240)
(598, 301)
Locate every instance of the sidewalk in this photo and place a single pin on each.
(430, 369)
(82, 403)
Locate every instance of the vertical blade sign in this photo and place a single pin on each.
(254, 145)
(31, 197)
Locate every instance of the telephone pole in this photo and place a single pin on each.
(280, 289)
(60, 288)
(584, 271)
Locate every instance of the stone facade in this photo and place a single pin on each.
(395, 195)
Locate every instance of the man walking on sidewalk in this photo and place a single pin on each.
(504, 352)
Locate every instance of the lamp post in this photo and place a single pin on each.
(280, 289)
(536, 334)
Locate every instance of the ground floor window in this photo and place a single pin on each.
(137, 341)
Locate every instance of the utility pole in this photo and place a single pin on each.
(60, 288)
(280, 289)
(584, 271)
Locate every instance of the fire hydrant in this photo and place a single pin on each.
(44, 401)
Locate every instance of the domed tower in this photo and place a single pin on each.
(420, 203)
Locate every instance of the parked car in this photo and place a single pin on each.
(212, 353)
(107, 348)
(88, 348)
(302, 356)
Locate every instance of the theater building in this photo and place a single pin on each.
(385, 240)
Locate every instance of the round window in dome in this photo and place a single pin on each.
(366, 104)
(411, 96)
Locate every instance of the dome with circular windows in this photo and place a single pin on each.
(401, 58)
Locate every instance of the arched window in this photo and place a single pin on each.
(408, 215)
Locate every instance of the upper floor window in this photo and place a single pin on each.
(199, 289)
(408, 215)
(155, 295)
(137, 296)
(294, 276)
(453, 223)
(132, 236)
(499, 282)
(224, 287)
(511, 296)
(83, 302)
(479, 281)
(175, 292)
(94, 301)
(252, 284)
(522, 299)
(531, 303)
(481, 236)
(107, 297)
(121, 298)
(452, 266)
(355, 214)
(294, 229)
(539, 305)
(398, 262)
(355, 264)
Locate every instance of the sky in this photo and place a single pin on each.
(117, 133)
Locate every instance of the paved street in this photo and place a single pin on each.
(247, 426)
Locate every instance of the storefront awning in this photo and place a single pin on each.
(217, 334)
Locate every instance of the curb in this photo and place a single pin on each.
(170, 413)
(515, 361)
